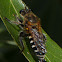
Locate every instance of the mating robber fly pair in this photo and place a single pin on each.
(32, 28)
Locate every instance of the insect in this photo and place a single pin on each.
(32, 28)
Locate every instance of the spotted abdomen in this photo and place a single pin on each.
(38, 44)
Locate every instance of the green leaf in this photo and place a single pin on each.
(10, 7)
(7, 9)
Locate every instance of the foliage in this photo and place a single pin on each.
(10, 7)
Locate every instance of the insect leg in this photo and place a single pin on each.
(22, 34)
(15, 22)
(44, 37)
(18, 19)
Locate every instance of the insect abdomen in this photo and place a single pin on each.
(38, 45)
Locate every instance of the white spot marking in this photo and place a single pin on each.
(41, 55)
(36, 50)
(31, 41)
(30, 37)
(42, 47)
(33, 46)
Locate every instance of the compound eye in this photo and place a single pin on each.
(22, 12)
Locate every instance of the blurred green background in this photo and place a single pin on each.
(50, 12)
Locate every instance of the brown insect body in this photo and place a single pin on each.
(33, 27)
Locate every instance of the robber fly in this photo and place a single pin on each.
(31, 26)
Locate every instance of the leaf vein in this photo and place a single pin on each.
(54, 56)
(14, 7)
(47, 58)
